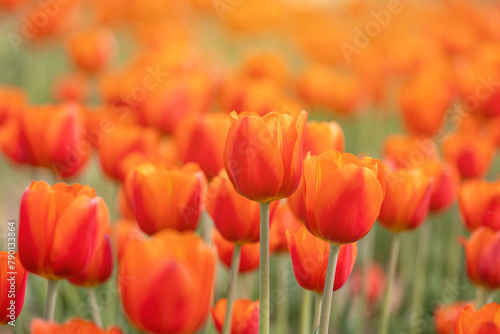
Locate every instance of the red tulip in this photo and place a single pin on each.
(310, 260)
(99, 268)
(345, 213)
(446, 182)
(60, 228)
(178, 265)
(263, 155)
(406, 203)
(12, 286)
(479, 203)
(180, 193)
(245, 316)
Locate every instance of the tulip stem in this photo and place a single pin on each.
(282, 312)
(305, 312)
(419, 277)
(264, 269)
(50, 302)
(231, 293)
(317, 310)
(96, 315)
(480, 297)
(384, 320)
(324, 320)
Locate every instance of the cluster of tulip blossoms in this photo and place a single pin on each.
(212, 168)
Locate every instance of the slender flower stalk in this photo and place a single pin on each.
(50, 302)
(305, 312)
(384, 320)
(419, 277)
(282, 312)
(233, 283)
(264, 269)
(317, 310)
(367, 257)
(96, 315)
(328, 290)
(481, 297)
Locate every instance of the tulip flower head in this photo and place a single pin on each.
(445, 316)
(310, 260)
(245, 318)
(13, 287)
(75, 325)
(479, 203)
(263, 155)
(342, 195)
(484, 321)
(60, 228)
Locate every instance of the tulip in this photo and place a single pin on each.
(65, 149)
(344, 213)
(407, 199)
(71, 88)
(409, 151)
(180, 192)
(201, 139)
(479, 203)
(446, 315)
(263, 160)
(376, 282)
(75, 325)
(481, 252)
(245, 319)
(471, 154)
(122, 232)
(446, 182)
(92, 49)
(119, 143)
(12, 102)
(13, 286)
(249, 254)
(323, 136)
(178, 265)
(484, 321)
(265, 66)
(60, 228)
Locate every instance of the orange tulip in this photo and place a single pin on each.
(201, 139)
(120, 142)
(75, 325)
(446, 182)
(250, 253)
(99, 268)
(471, 154)
(13, 286)
(376, 282)
(345, 213)
(92, 49)
(237, 218)
(263, 155)
(265, 66)
(323, 136)
(479, 203)
(64, 148)
(406, 203)
(180, 191)
(310, 260)
(71, 88)
(403, 151)
(12, 102)
(284, 220)
(178, 265)
(484, 321)
(245, 316)
(60, 228)
(481, 252)
(446, 315)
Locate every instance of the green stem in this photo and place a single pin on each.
(480, 297)
(419, 277)
(282, 311)
(231, 294)
(50, 302)
(305, 312)
(317, 310)
(384, 320)
(96, 315)
(326, 306)
(367, 255)
(264, 269)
